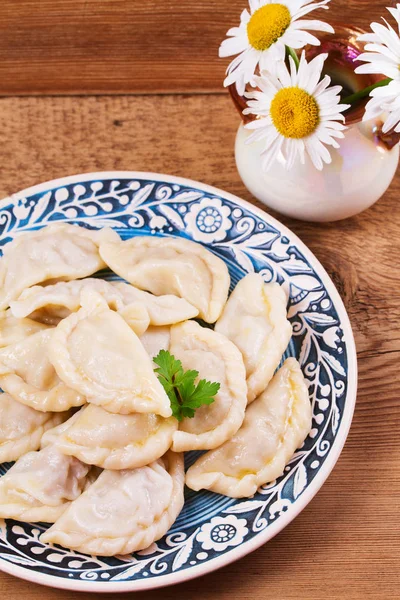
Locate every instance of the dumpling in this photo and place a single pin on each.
(156, 339)
(58, 251)
(54, 302)
(22, 428)
(62, 298)
(163, 310)
(275, 425)
(254, 319)
(28, 376)
(40, 486)
(172, 266)
(14, 330)
(216, 359)
(110, 441)
(95, 352)
(123, 511)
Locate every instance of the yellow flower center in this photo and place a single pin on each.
(267, 25)
(294, 112)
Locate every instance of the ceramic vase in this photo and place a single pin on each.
(361, 169)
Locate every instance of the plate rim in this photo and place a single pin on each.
(264, 536)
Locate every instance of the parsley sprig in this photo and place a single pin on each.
(185, 396)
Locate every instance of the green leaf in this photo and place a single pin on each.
(184, 395)
(185, 384)
(169, 367)
(203, 394)
(187, 411)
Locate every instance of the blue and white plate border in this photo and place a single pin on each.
(273, 529)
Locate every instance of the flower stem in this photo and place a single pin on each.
(293, 54)
(365, 92)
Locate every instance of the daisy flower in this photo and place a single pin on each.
(382, 50)
(297, 113)
(385, 99)
(263, 34)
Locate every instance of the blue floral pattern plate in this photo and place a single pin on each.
(212, 530)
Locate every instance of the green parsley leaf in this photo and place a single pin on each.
(203, 394)
(169, 367)
(183, 393)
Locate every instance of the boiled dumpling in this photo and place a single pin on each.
(14, 330)
(40, 486)
(96, 353)
(22, 427)
(52, 303)
(123, 511)
(163, 310)
(254, 319)
(110, 441)
(156, 339)
(172, 266)
(275, 425)
(216, 359)
(58, 251)
(28, 376)
(60, 299)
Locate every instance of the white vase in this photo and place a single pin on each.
(361, 169)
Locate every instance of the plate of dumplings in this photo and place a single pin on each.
(178, 374)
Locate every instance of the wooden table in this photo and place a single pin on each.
(346, 543)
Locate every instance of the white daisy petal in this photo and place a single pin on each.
(270, 156)
(313, 26)
(315, 68)
(245, 17)
(291, 154)
(237, 61)
(378, 50)
(304, 71)
(293, 71)
(382, 49)
(299, 39)
(321, 86)
(269, 136)
(307, 9)
(332, 124)
(385, 100)
(323, 151)
(392, 121)
(257, 124)
(233, 45)
(283, 74)
(313, 154)
(326, 138)
(396, 14)
(277, 53)
(369, 69)
(234, 31)
(254, 5)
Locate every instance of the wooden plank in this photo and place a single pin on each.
(345, 544)
(126, 46)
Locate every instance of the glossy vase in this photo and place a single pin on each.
(361, 169)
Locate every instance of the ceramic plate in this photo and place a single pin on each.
(212, 530)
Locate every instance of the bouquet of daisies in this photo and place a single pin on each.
(294, 107)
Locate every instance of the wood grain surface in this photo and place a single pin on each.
(128, 46)
(346, 543)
